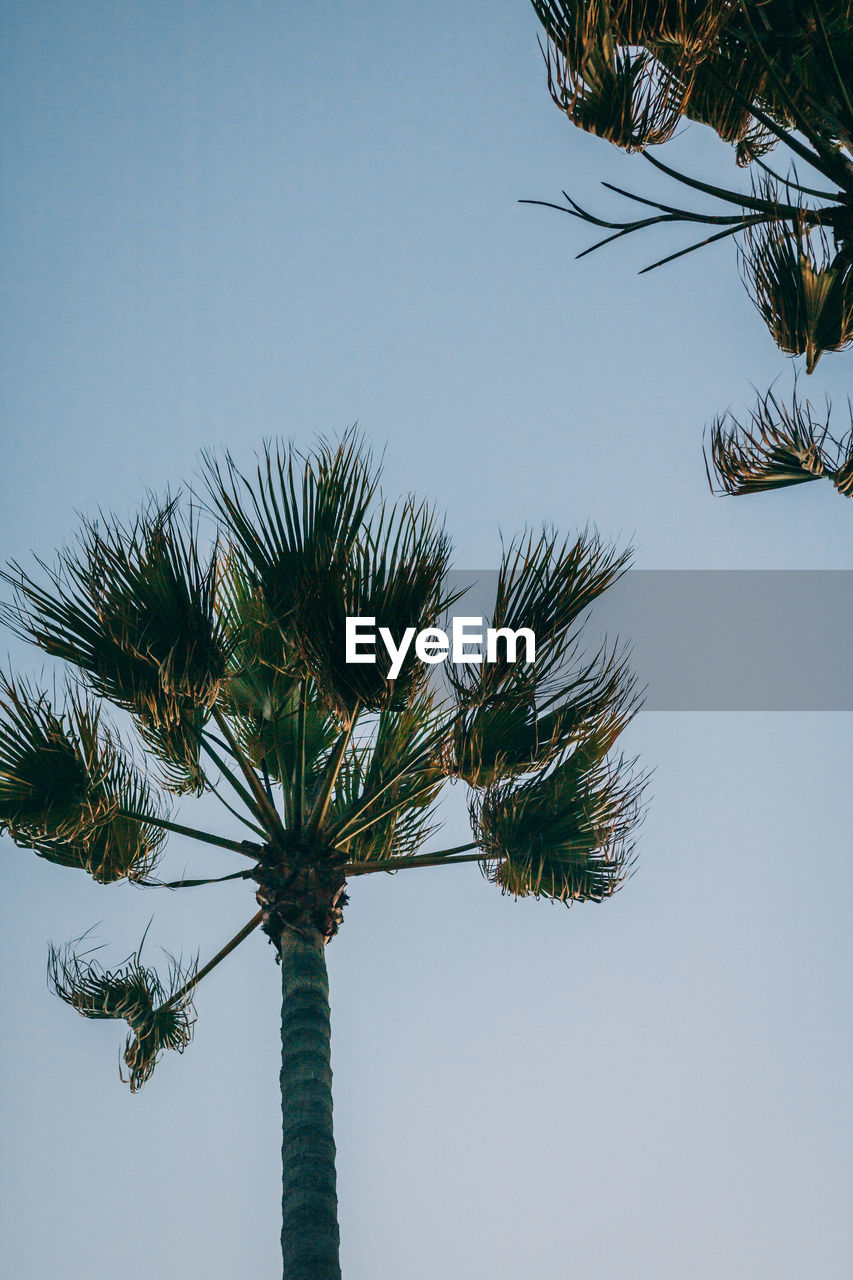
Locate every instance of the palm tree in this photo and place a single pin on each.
(221, 669)
(760, 73)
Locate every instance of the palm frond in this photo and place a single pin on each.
(383, 803)
(160, 1016)
(319, 552)
(295, 521)
(67, 785)
(134, 609)
(776, 447)
(563, 834)
(513, 718)
(261, 695)
(397, 575)
(622, 95)
(803, 292)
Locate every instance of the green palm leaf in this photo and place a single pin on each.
(295, 524)
(66, 787)
(383, 804)
(562, 834)
(516, 717)
(134, 608)
(319, 553)
(261, 695)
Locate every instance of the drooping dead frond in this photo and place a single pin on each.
(159, 1016)
(803, 290)
(776, 447)
(624, 96)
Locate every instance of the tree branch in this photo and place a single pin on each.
(217, 959)
(247, 847)
(419, 860)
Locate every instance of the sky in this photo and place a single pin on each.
(228, 222)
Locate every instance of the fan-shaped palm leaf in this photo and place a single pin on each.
(561, 834)
(517, 717)
(67, 788)
(263, 692)
(778, 447)
(133, 607)
(397, 575)
(159, 1016)
(319, 554)
(804, 293)
(296, 523)
(623, 96)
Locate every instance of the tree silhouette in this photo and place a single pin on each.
(760, 73)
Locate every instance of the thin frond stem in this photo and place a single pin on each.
(247, 929)
(798, 186)
(241, 817)
(700, 244)
(341, 837)
(330, 775)
(770, 209)
(421, 756)
(267, 809)
(192, 884)
(299, 770)
(679, 215)
(244, 794)
(732, 223)
(266, 776)
(419, 860)
(223, 746)
(248, 848)
(446, 853)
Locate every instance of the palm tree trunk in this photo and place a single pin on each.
(309, 1231)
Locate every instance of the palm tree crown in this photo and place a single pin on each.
(224, 664)
(760, 73)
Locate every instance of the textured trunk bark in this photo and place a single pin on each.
(309, 1203)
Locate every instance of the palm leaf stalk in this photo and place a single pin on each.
(228, 663)
(762, 74)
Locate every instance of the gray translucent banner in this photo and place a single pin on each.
(722, 640)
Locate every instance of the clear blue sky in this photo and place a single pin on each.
(223, 222)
